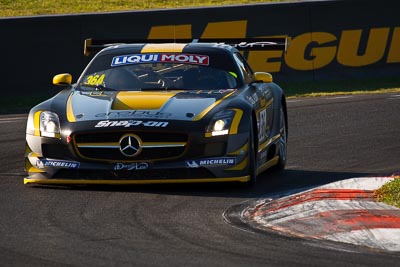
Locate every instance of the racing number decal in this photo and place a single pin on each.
(262, 125)
(95, 79)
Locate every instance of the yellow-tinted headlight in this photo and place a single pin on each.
(49, 124)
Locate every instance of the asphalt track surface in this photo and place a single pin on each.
(330, 139)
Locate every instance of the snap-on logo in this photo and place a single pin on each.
(129, 123)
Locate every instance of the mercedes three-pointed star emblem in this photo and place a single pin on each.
(130, 145)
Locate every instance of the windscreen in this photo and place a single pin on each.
(139, 72)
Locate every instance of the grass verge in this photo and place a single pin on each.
(344, 87)
(390, 193)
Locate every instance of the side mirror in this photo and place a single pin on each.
(64, 79)
(263, 76)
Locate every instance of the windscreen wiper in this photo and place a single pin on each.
(161, 89)
(98, 87)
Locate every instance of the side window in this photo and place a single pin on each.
(244, 67)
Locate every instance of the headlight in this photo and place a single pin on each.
(220, 123)
(49, 124)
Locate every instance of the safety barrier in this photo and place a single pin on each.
(330, 40)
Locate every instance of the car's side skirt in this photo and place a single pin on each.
(268, 164)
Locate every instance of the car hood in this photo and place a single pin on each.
(172, 105)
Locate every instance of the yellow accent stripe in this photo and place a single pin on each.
(262, 146)
(269, 102)
(144, 144)
(141, 100)
(36, 123)
(30, 168)
(240, 166)
(163, 144)
(128, 182)
(239, 151)
(110, 144)
(28, 150)
(33, 169)
(30, 153)
(70, 112)
(236, 121)
(205, 111)
(117, 144)
(172, 48)
(266, 105)
(268, 165)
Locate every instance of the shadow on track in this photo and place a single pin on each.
(269, 182)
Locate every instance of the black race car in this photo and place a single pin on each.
(159, 113)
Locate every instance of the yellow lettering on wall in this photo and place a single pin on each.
(225, 29)
(350, 42)
(394, 52)
(171, 32)
(304, 52)
(307, 51)
(261, 60)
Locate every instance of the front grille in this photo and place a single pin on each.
(111, 154)
(109, 137)
(56, 151)
(105, 146)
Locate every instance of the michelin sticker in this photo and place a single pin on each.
(42, 163)
(164, 58)
(211, 162)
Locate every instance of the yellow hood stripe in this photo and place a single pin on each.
(172, 48)
(70, 111)
(141, 100)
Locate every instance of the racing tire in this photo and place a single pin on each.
(282, 153)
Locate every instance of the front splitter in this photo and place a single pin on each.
(242, 179)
